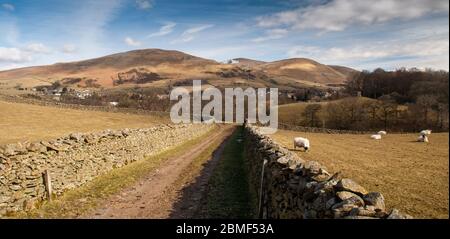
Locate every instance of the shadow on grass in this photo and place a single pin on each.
(221, 189)
(80, 201)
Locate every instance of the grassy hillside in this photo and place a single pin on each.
(167, 64)
(304, 70)
(292, 113)
(349, 72)
(356, 113)
(412, 176)
(20, 122)
(167, 67)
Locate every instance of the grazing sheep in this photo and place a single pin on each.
(301, 143)
(375, 136)
(423, 138)
(382, 132)
(425, 132)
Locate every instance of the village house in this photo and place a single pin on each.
(114, 103)
(83, 94)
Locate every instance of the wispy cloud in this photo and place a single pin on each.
(69, 48)
(131, 42)
(85, 27)
(37, 48)
(10, 32)
(22, 54)
(96, 16)
(144, 4)
(190, 33)
(359, 33)
(14, 55)
(164, 30)
(8, 7)
(194, 30)
(436, 48)
(338, 15)
(272, 34)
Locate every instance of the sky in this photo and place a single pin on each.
(356, 33)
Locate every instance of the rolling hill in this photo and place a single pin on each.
(304, 70)
(245, 62)
(168, 64)
(156, 67)
(348, 72)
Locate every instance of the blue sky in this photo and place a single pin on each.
(356, 33)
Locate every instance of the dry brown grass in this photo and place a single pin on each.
(173, 66)
(79, 201)
(301, 66)
(292, 113)
(20, 122)
(412, 176)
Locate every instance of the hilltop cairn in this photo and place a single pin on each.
(289, 187)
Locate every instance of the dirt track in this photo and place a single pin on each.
(166, 192)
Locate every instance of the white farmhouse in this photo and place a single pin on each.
(114, 103)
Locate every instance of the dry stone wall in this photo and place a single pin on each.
(320, 130)
(289, 187)
(78, 158)
(57, 104)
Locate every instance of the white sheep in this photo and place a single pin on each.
(301, 143)
(422, 138)
(382, 132)
(375, 136)
(425, 132)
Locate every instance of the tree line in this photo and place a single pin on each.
(403, 85)
(401, 100)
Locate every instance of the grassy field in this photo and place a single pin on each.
(412, 176)
(20, 122)
(292, 113)
(81, 200)
(229, 195)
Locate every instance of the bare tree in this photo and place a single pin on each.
(426, 102)
(310, 115)
(388, 109)
(372, 108)
(335, 116)
(442, 114)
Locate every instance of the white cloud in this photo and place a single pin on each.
(85, 28)
(183, 39)
(14, 55)
(144, 4)
(337, 15)
(194, 30)
(88, 32)
(422, 50)
(438, 63)
(37, 48)
(272, 34)
(131, 42)
(69, 48)
(189, 34)
(8, 7)
(164, 30)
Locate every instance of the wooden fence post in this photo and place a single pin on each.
(48, 184)
(261, 189)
